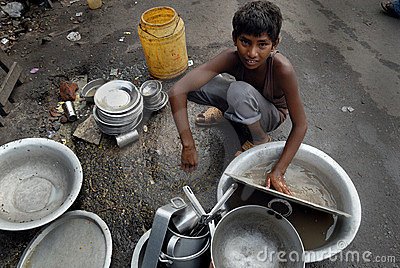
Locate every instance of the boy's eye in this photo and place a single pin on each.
(262, 45)
(245, 42)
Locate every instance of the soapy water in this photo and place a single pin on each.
(314, 227)
(244, 248)
(303, 183)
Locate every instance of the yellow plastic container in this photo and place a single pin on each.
(94, 4)
(162, 35)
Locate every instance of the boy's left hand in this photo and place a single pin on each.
(277, 180)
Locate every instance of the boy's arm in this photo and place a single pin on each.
(286, 79)
(192, 81)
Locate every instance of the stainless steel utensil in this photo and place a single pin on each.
(69, 110)
(127, 138)
(39, 181)
(158, 231)
(255, 236)
(185, 221)
(208, 218)
(89, 90)
(193, 200)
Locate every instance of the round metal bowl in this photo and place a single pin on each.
(255, 236)
(120, 119)
(332, 175)
(150, 88)
(76, 239)
(117, 96)
(159, 105)
(140, 250)
(116, 130)
(89, 90)
(39, 181)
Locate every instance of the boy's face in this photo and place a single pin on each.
(254, 50)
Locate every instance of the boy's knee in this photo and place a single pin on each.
(239, 91)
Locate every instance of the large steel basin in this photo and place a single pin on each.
(335, 179)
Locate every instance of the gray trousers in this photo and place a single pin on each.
(239, 101)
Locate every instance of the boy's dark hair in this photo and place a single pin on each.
(258, 17)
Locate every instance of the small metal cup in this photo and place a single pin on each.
(127, 138)
(69, 110)
(186, 221)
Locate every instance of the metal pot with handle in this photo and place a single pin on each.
(256, 236)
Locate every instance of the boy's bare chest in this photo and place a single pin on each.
(256, 79)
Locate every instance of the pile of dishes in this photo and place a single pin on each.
(118, 107)
(154, 98)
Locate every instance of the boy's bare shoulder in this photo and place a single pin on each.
(228, 54)
(223, 62)
(282, 64)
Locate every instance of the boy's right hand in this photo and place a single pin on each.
(189, 159)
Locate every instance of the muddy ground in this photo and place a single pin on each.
(330, 51)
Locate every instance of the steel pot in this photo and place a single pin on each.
(255, 236)
(178, 245)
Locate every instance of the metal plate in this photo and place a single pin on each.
(117, 96)
(118, 119)
(159, 106)
(150, 88)
(249, 182)
(77, 239)
(89, 90)
(39, 181)
(116, 130)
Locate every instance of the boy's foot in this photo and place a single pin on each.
(210, 117)
(389, 9)
(248, 145)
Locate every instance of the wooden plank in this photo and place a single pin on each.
(6, 62)
(6, 109)
(9, 83)
(1, 121)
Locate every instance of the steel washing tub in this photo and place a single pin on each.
(334, 178)
(39, 181)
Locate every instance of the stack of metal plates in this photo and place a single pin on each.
(119, 107)
(154, 97)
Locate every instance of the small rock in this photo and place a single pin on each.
(68, 91)
(74, 36)
(63, 119)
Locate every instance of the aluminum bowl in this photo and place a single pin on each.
(89, 90)
(150, 88)
(39, 181)
(117, 96)
(120, 119)
(255, 236)
(332, 175)
(119, 129)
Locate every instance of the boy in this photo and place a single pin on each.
(264, 93)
